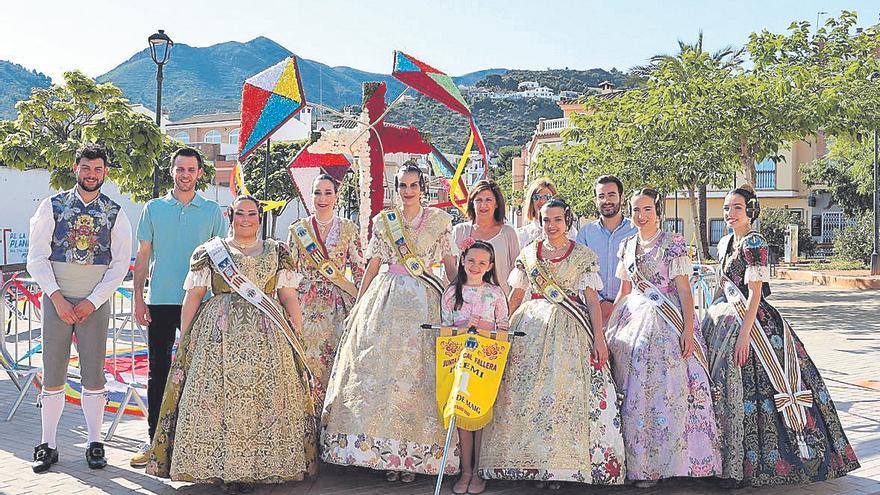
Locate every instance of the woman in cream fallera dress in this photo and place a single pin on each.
(380, 411)
(556, 416)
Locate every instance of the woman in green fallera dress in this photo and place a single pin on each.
(236, 408)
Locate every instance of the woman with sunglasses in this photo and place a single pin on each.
(539, 192)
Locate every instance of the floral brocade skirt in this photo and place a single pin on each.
(668, 419)
(324, 307)
(556, 416)
(235, 405)
(381, 411)
(755, 444)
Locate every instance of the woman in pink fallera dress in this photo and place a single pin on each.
(668, 421)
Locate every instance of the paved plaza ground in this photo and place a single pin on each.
(841, 329)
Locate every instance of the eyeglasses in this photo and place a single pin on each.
(539, 197)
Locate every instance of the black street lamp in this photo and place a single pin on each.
(160, 51)
(875, 260)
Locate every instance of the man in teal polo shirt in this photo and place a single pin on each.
(170, 229)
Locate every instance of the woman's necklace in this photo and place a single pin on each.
(323, 224)
(324, 227)
(552, 249)
(235, 242)
(653, 238)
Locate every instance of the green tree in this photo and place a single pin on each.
(55, 121)
(280, 185)
(845, 172)
(728, 61)
(856, 242)
(662, 134)
(803, 82)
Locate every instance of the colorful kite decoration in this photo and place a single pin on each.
(306, 165)
(439, 86)
(268, 100)
(446, 170)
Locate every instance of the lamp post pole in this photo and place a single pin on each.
(159, 78)
(875, 262)
(160, 50)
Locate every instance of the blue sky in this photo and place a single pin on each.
(453, 35)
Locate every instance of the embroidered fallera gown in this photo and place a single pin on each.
(556, 416)
(235, 405)
(668, 421)
(324, 305)
(756, 446)
(380, 411)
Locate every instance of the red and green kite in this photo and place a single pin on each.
(439, 86)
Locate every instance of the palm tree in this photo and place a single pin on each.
(727, 58)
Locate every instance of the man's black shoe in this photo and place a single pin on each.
(95, 455)
(44, 457)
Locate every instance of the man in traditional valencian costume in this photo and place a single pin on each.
(80, 247)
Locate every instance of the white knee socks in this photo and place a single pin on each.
(52, 405)
(93, 402)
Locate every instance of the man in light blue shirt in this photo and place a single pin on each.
(605, 235)
(170, 229)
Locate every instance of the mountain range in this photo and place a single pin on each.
(209, 79)
(199, 80)
(17, 83)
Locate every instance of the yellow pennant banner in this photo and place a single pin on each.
(268, 204)
(469, 371)
(455, 192)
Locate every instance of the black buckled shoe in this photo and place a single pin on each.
(95, 455)
(43, 458)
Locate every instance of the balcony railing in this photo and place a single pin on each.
(765, 179)
(552, 126)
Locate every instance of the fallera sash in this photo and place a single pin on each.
(225, 266)
(312, 246)
(667, 309)
(792, 398)
(540, 277)
(401, 243)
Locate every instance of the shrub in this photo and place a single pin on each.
(856, 242)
